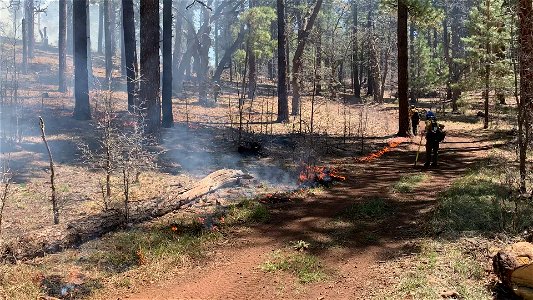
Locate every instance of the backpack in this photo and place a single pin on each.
(435, 131)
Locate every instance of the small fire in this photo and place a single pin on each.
(391, 144)
(318, 175)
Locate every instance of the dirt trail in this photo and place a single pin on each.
(233, 273)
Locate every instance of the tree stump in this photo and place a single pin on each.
(514, 267)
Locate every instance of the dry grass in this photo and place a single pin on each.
(441, 266)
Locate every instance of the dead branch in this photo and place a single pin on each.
(55, 208)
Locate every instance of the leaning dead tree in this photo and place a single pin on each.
(55, 238)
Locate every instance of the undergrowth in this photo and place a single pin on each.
(125, 259)
(440, 268)
(368, 209)
(408, 183)
(305, 266)
(480, 202)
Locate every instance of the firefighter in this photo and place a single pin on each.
(216, 91)
(434, 135)
(415, 119)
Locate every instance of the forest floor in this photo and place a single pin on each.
(390, 230)
(362, 236)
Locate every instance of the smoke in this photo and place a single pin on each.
(202, 151)
(50, 20)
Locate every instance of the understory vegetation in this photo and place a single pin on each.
(129, 258)
(306, 267)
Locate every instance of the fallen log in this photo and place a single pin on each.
(514, 267)
(55, 238)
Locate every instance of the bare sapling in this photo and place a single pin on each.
(105, 155)
(53, 199)
(134, 158)
(241, 121)
(315, 68)
(261, 117)
(5, 180)
(363, 122)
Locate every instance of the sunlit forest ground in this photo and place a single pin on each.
(446, 249)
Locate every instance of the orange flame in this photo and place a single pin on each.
(391, 144)
(318, 173)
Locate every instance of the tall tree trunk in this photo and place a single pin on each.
(369, 76)
(62, 46)
(216, 47)
(70, 27)
(123, 70)
(108, 43)
(447, 59)
(178, 32)
(130, 51)
(318, 62)
(30, 26)
(166, 102)
(82, 109)
(100, 27)
(89, 50)
(525, 13)
(403, 72)
(24, 47)
(225, 62)
(203, 54)
(412, 63)
(149, 66)
(456, 54)
(283, 101)
(355, 49)
(252, 70)
(297, 59)
(487, 68)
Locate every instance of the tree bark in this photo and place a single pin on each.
(89, 50)
(355, 50)
(82, 109)
(62, 46)
(283, 102)
(149, 66)
(177, 55)
(166, 101)
(130, 51)
(403, 72)
(100, 27)
(108, 43)
(70, 29)
(369, 76)
(225, 62)
(456, 53)
(30, 26)
(204, 44)
(252, 69)
(447, 59)
(525, 14)
(24, 47)
(297, 59)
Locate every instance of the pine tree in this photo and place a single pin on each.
(486, 50)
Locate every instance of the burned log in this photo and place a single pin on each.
(55, 238)
(514, 267)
